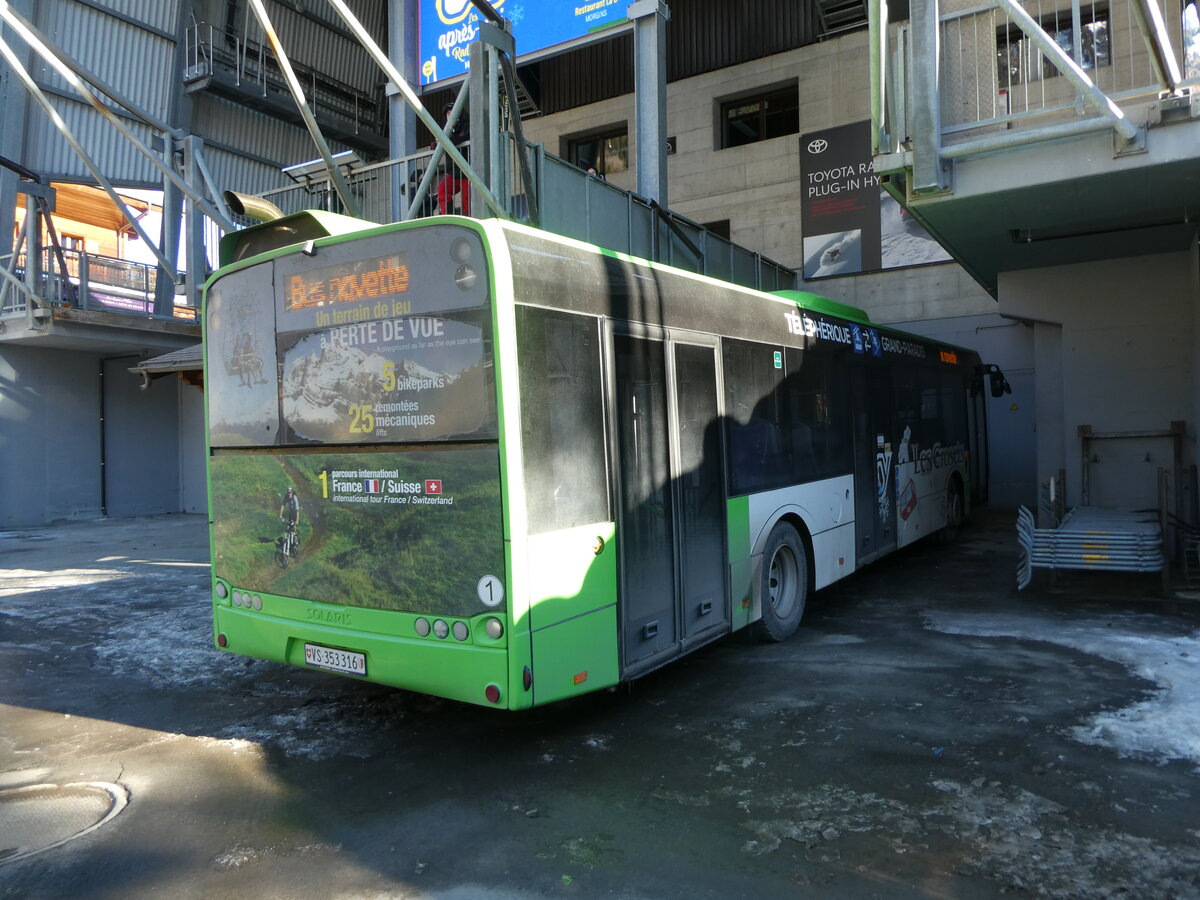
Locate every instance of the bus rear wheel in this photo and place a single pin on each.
(784, 585)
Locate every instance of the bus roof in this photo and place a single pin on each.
(817, 303)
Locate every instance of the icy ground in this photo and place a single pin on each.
(808, 763)
(1163, 727)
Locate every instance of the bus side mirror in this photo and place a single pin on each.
(999, 383)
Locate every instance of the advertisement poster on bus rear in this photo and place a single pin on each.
(358, 343)
(405, 530)
(380, 345)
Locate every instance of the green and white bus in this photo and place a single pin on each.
(527, 468)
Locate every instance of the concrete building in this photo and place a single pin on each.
(1074, 347)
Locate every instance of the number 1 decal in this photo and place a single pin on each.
(490, 591)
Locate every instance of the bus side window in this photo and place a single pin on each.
(818, 416)
(755, 401)
(562, 419)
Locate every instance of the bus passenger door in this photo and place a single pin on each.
(700, 490)
(670, 529)
(646, 514)
(874, 462)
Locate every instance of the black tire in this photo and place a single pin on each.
(281, 559)
(783, 588)
(954, 512)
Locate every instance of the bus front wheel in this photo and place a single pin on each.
(784, 584)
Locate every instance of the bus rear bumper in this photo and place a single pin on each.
(444, 667)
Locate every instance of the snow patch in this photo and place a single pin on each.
(1163, 727)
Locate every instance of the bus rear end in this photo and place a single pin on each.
(354, 462)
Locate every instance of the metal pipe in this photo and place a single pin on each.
(314, 130)
(1008, 139)
(253, 207)
(876, 52)
(1069, 68)
(1158, 42)
(381, 60)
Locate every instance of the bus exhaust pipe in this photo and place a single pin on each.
(252, 207)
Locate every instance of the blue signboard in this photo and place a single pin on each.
(448, 27)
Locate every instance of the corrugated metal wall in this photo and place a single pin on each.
(48, 153)
(702, 35)
(130, 45)
(246, 149)
(158, 14)
(137, 61)
(319, 39)
(312, 34)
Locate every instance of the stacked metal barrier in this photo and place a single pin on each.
(1117, 540)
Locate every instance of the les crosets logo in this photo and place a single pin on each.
(454, 11)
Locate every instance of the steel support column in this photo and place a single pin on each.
(195, 257)
(481, 85)
(649, 19)
(929, 173)
(402, 120)
(14, 106)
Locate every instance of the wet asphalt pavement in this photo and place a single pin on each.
(930, 732)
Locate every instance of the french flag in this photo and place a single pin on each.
(373, 485)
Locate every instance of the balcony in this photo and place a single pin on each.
(1041, 134)
(246, 71)
(84, 301)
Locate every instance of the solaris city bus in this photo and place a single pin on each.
(527, 468)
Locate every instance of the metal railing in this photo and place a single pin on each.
(1091, 539)
(996, 77)
(572, 203)
(89, 281)
(251, 66)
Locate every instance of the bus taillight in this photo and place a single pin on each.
(492, 692)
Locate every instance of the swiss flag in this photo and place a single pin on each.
(433, 485)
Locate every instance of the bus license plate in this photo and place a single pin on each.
(343, 661)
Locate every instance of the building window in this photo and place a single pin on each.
(767, 114)
(1019, 61)
(607, 152)
(1191, 41)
